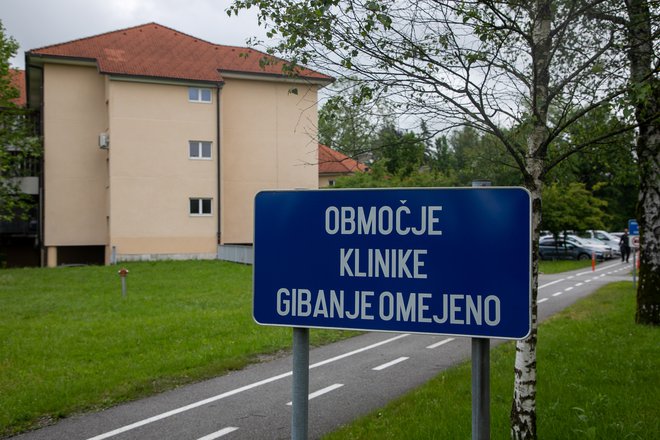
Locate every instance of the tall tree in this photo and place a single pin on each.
(608, 168)
(486, 64)
(402, 153)
(18, 145)
(571, 206)
(345, 121)
(638, 22)
(644, 71)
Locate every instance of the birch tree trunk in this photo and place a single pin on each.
(646, 85)
(523, 408)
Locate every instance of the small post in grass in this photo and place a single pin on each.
(123, 272)
(593, 261)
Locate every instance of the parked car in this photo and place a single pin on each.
(605, 238)
(571, 247)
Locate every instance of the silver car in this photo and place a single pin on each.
(605, 238)
(601, 251)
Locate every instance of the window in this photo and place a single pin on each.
(199, 150)
(200, 206)
(198, 94)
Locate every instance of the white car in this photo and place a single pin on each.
(607, 251)
(592, 245)
(605, 238)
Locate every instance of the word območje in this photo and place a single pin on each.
(383, 220)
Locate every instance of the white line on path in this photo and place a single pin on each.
(542, 300)
(322, 391)
(598, 269)
(234, 392)
(218, 434)
(551, 283)
(568, 288)
(438, 344)
(557, 293)
(389, 364)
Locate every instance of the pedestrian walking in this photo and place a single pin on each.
(624, 246)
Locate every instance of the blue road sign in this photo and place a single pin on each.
(633, 227)
(449, 261)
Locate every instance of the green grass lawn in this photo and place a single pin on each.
(69, 342)
(598, 378)
(549, 267)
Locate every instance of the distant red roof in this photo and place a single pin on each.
(153, 50)
(334, 162)
(18, 80)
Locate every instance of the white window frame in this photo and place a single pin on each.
(198, 91)
(200, 207)
(200, 150)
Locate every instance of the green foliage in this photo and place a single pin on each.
(379, 177)
(18, 145)
(403, 153)
(478, 156)
(8, 48)
(344, 120)
(571, 207)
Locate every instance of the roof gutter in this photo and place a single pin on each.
(273, 77)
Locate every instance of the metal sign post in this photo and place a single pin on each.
(480, 389)
(300, 389)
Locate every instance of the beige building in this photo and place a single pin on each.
(155, 143)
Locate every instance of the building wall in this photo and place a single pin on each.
(325, 179)
(133, 198)
(76, 173)
(268, 142)
(152, 177)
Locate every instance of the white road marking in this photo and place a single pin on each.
(438, 344)
(389, 364)
(557, 293)
(218, 434)
(322, 391)
(579, 284)
(542, 300)
(568, 288)
(359, 350)
(598, 269)
(233, 392)
(551, 283)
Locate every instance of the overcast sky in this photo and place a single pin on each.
(37, 23)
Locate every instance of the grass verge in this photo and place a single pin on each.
(69, 342)
(550, 267)
(598, 376)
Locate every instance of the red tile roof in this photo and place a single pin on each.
(18, 80)
(153, 50)
(334, 162)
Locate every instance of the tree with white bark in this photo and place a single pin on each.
(484, 64)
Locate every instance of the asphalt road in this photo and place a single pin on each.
(347, 379)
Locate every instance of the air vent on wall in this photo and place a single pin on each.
(104, 141)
